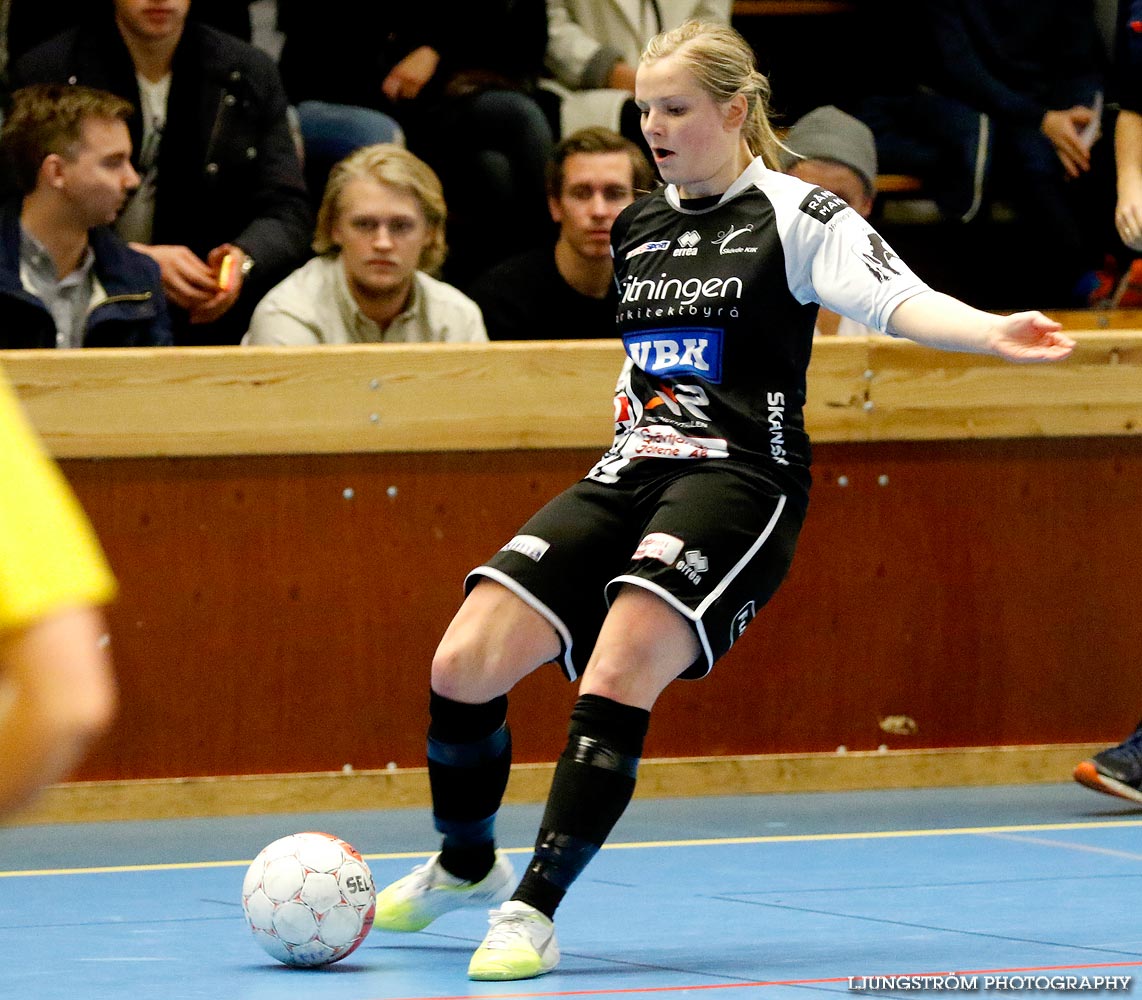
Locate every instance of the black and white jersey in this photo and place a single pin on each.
(717, 303)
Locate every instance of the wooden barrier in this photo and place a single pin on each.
(899, 184)
(291, 528)
(530, 395)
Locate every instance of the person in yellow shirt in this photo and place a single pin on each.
(57, 686)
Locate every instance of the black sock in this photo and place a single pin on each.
(594, 781)
(469, 758)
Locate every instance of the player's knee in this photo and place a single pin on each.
(476, 670)
(622, 682)
(636, 673)
(464, 669)
(448, 671)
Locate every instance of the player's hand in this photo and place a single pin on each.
(227, 287)
(408, 77)
(1064, 129)
(187, 279)
(1030, 336)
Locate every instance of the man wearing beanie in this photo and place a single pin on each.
(835, 151)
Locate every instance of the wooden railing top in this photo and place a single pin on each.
(533, 395)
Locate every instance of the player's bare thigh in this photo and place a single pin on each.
(643, 645)
(495, 640)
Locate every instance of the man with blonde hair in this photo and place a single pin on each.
(66, 278)
(379, 240)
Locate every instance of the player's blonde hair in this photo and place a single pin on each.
(723, 63)
(398, 168)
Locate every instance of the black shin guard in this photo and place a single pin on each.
(594, 781)
(469, 758)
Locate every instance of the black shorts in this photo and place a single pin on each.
(712, 541)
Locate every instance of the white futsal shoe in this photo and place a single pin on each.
(520, 944)
(428, 891)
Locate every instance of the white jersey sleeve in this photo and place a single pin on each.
(836, 258)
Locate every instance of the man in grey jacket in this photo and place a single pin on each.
(593, 47)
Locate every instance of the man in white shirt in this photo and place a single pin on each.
(379, 237)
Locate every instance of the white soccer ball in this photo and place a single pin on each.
(309, 899)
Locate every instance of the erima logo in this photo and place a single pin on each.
(688, 244)
(528, 545)
(878, 258)
(723, 240)
(693, 565)
(649, 248)
(674, 352)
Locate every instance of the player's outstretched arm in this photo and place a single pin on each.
(938, 320)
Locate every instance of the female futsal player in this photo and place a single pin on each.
(651, 567)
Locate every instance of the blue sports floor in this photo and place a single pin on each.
(768, 896)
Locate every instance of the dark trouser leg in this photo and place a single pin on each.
(469, 758)
(594, 780)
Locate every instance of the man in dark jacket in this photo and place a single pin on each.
(459, 79)
(1009, 108)
(567, 291)
(66, 278)
(221, 176)
(31, 22)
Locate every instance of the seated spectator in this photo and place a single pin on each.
(66, 278)
(1126, 288)
(55, 671)
(833, 150)
(32, 22)
(568, 291)
(380, 236)
(1008, 105)
(460, 81)
(329, 129)
(220, 172)
(593, 49)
